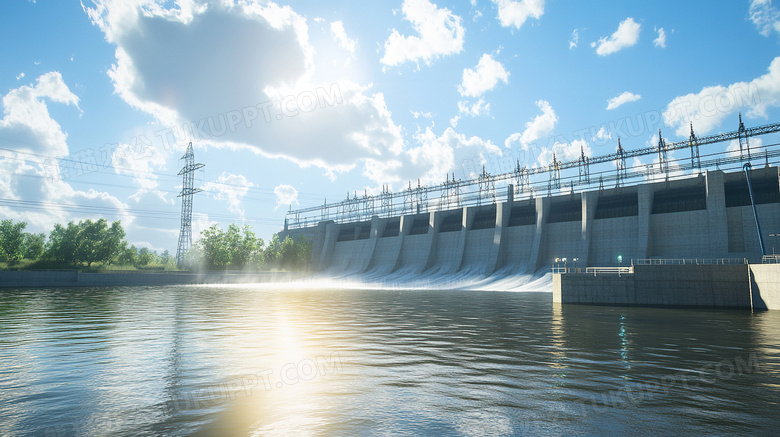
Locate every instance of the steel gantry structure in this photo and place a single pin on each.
(482, 189)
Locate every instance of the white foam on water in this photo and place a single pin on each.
(511, 278)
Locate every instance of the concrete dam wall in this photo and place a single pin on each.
(703, 216)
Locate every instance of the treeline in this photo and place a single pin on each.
(94, 244)
(237, 248)
(75, 245)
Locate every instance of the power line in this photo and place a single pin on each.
(138, 213)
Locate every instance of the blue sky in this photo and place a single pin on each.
(294, 102)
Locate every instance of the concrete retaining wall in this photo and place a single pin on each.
(765, 283)
(724, 286)
(76, 279)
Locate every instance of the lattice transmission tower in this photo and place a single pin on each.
(187, 191)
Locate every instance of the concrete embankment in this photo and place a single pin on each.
(728, 286)
(27, 279)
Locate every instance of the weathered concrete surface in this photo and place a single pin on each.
(725, 286)
(76, 279)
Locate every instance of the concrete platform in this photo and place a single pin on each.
(754, 286)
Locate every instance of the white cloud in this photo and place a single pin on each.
(231, 188)
(31, 174)
(279, 109)
(540, 126)
(487, 74)
(432, 159)
(420, 114)
(140, 159)
(626, 35)
(660, 41)
(575, 39)
(564, 152)
(765, 16)
(27, 125)
(710, 106)
(626, 97)
(246, 111)
(602, 134)
(440, 33)
(285, 195)
(337, 27)
(515, 13)
(20, 76)
(474, 109)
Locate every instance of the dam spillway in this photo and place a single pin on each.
(513, 231)
(703, 216)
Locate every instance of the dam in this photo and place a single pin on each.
(511, 226)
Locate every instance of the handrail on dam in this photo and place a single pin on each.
(595, 270)
(610, 270)
(770, 259)
(689, 261)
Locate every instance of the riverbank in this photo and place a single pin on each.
(28, 279)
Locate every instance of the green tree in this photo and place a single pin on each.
(212, 244)
(86, 241)
(12, 241)
(271, 253)
(97, 242)
(128, 256)
(288, 254)
(34, 245)
(243, 245)
(146, 257)
(61, 246)
(166, 258)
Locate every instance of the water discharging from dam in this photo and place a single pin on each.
(506, 279)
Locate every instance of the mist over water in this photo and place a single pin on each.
(310, 360)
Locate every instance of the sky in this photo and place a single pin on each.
(291, 103)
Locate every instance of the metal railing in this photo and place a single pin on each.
(610, 270)
(689, 261)
(770, 259)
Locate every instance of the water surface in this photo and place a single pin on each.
(259, 360)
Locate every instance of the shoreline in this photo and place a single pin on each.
(53, 278)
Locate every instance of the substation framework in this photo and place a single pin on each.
(527, 183)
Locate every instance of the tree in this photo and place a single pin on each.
(271, 252)
(61, 246)
(166, 258)
(34, 245)
(128, 256)
(213, 247)
(146, 256)
(97, 242)
(12, 241)
(243, 245)
(288, 253)
(86, 241)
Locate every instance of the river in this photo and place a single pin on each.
(282, 360)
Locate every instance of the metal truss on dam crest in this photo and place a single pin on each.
(524, 182)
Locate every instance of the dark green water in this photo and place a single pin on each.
(270, 361)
